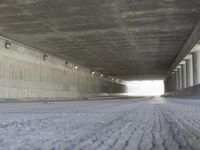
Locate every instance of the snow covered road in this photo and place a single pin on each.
(143, 124)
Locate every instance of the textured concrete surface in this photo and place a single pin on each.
(152, 124)
(24, 74)
(127, 38)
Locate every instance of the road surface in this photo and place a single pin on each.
(127, 124)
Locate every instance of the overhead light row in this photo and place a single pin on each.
(45, 57)
(102, 75)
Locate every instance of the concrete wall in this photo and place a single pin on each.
(24, 74)
(192, 92)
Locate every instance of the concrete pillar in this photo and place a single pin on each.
(174, 83)
(165, 85)
(173, 80)
(183, 72)
(196, 67)
(170, 82)
(179, 78)
(189, 72)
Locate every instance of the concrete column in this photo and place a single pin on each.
(167, 84)
(179, 78)
(172, 83)
(196, 67)
(175, 80)
(183, 72)
(189, 72)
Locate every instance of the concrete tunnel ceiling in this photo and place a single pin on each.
(130, 39)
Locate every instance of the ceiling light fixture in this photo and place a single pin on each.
(76, 67)
(7, 45)
(45, 57)
(66, 63)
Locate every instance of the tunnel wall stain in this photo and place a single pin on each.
(24, 74)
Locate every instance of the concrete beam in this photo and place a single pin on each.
(191, 42)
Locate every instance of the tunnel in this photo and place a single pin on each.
(65, 66)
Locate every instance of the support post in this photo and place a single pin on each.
(179, 78)
(173, 82)
(196, 67)
(183, 72)
(189, 72)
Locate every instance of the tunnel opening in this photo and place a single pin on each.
(145, 88)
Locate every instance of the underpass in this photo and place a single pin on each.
(65, 68)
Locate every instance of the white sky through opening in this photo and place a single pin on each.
(145, 88)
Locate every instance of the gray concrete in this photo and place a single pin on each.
(156, 124)
(189, 44)
(196, 67)
(25, 74)
(179, 78)
(189, 72)
(193, 91)
(174, 84)
(131, 39)
(184, 77)
(167, 84)
(173, 81)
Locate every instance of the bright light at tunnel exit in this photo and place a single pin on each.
(145, 88)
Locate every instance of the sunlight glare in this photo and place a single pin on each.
(145, 88)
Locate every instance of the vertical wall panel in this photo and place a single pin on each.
(24, 74)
